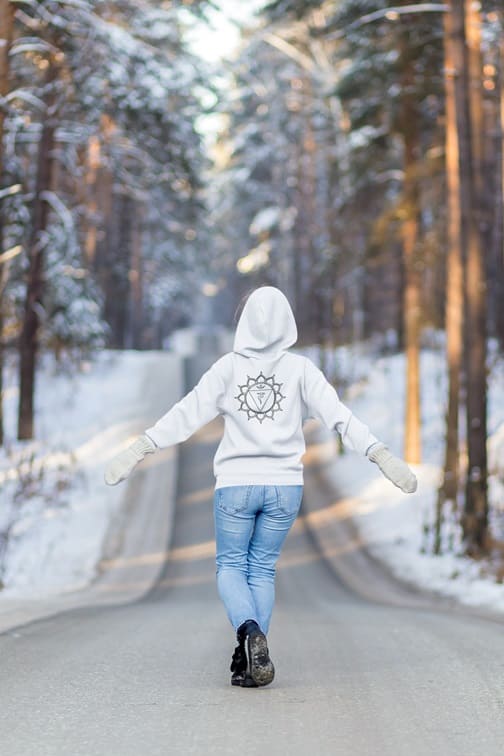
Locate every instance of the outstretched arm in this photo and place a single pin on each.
(323, 403)
(193, 411)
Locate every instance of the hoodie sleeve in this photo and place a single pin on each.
(193, 411)
(323, 403)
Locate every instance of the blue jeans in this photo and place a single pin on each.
(251, 524)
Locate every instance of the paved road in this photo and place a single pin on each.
(354, 677)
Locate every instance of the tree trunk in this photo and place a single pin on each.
(412, 278)
(475, 519)
(116, 274)
(35, 284)
(492, 177)
(454, 274)
(412, 443)
(92, 167)
(304, 241)
(136, 279)
(7, 10)
(499, 220)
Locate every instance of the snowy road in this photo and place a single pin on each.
(354, 677)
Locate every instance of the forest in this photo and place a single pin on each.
(358, 164)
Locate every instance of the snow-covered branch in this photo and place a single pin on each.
(9, 190)
(391, 14)
(59, 207)
(290, 50)
(9, 254)
(31, 44)
(27, 96)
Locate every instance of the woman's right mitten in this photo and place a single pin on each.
(123, 463)
(395, 469)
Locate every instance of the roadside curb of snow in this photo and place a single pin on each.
(345, 549)
(135, 547)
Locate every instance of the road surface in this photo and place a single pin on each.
(355, 676)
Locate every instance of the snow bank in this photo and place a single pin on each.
(55, 509)
(396, 526)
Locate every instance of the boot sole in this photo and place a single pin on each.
(243, 682)
(261, 667)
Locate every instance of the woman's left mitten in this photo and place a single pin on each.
(393, 468)
(123, 463)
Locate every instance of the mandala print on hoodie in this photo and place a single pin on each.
(260, 397)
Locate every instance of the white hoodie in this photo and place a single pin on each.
(264, 393)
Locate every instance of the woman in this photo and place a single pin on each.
(264, 393)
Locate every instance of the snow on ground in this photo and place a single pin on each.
(397, 526)
(55, 509)
(54, 506)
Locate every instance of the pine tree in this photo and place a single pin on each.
(119, 165)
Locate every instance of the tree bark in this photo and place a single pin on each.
(412, 278)
(475, 519)
(116, 275)
(7, 10)
(499, 221)
(412, 442)
(35, 284)
(492, 177)
(454, 272)
(136, 279)
(92, 168)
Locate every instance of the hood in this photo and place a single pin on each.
(266, 326)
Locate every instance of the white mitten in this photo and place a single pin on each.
(123, 463)
(392, 467)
